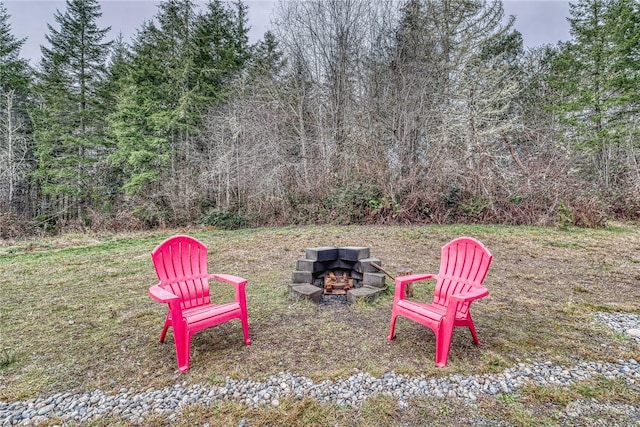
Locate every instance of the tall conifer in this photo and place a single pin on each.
(69, 123)
(596, 79)
(181, 64)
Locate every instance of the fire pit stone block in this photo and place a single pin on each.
(344, 265)
(377, 280)
(309, 265)
(364, 265)
(302, 277)
(305, 291)
(354, 274)
(366, 293)
(353, 253)
(322, 254)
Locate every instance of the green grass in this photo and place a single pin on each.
(75, 316)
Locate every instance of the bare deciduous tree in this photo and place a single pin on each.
(14, 148)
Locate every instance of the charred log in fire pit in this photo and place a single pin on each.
(337, 285)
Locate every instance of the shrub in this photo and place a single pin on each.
(11, 226)
(225, 219)
(565, 216)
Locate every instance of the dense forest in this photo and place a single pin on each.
(348, 111)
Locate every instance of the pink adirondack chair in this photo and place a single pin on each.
(181, 265)
(463, 266)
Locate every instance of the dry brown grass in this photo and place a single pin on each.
(75, 314)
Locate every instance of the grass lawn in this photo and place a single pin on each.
(75, 316)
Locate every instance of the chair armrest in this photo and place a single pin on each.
(228, 278)
(472, 295)
(402, 281)
(414, 278)
(456, 299)
(239, 283)
(162, 295)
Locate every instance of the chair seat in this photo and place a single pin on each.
(432, 312)
(208, 315)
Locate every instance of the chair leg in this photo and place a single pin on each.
(163, 334)
(443, 343)
(183, 350)
(245, 329)
(392, 327)
(182, 339)
(472, 328)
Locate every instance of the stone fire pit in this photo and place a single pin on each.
(343, 274)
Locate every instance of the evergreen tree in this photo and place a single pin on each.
(116, 82)
(178, 68)
(69, 120)
(596, 79)
(14, 71)
(623, 20)
(222, 46)
(154, 102)
(15, 132)
(267, 58)
(117, 70)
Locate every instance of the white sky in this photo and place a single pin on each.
(539, 21)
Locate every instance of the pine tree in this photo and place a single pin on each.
(222, 47)
(267, 58)
(115, 83)
(15, 129)
(179, 67)
(153, 110)
(623, 20)
(595, 76)
(14, 71)
(69, 120)
(117, 69)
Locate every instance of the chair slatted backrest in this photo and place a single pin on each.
(464, 264)
(181, 266)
